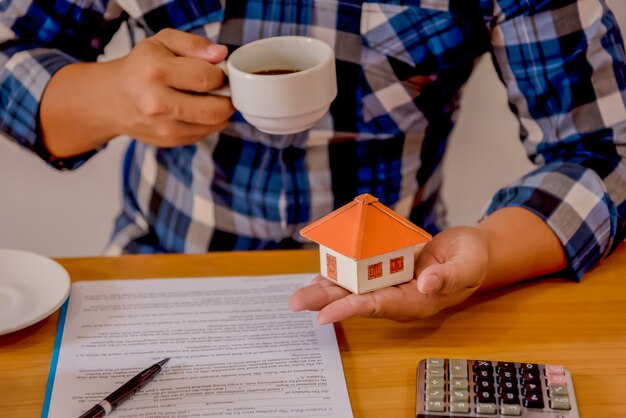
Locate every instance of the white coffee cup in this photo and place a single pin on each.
(282, 103)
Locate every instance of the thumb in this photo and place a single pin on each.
(438, 278)
(188, 45)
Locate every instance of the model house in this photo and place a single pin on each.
(365, 246)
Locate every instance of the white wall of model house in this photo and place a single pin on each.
(353, 274)
(345, 269)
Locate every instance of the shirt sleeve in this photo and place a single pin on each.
(564, 67)
(37, 38)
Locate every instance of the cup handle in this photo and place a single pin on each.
(222, 91)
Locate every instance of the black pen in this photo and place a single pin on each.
(123, 392)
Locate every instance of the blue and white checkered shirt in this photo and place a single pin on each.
(401, 66)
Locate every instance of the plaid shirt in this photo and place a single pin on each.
(401, 66)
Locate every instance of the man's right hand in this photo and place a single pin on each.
(164, 83)
(158, 94)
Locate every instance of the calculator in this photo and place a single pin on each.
(481, 388)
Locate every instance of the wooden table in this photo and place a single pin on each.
(582, 326)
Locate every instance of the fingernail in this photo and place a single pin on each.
(213, 51)
(294, 305)
(430, 284)
(321, 320)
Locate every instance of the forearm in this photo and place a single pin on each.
(76, 113)
(520, 246)
(578, 185)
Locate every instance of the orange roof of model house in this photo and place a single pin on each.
(364, 228)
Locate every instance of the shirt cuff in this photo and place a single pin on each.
(23, 79)
(573, 201)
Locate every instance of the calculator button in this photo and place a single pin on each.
(509, 398)
(435, 406)
(529, 367)
(560, 402)
(507, 387)
(485, 386)
(507, 375)
(555, 369)
(511, 410)
(506, 382)
(434, 372)
(482, 382)
(435, 383)
(482, 374)
(459, 396)
(530, 377)
(505, 366)
(556, 380)
(458, 368)
(558, 390)
(486, 408)
(533, 400)
(486, 396)
(435, 362)
(531, 388)
(459, 407)
(435, 395)
(482, 365)
(458, 384)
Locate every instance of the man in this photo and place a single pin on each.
(199, 178)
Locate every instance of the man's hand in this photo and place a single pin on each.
(449, 269)
(158, 93)
(163, 90)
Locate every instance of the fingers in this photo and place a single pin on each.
(190, 74)
(336, 304)
(315, 296)
(447, 278)
(165, 80)
(176, 133)
(437, 278)
(349, 306)
(185, 107)
(201, 109)
(188, 45)
(454, 261)
(400, 303)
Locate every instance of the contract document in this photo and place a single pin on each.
(235, 349)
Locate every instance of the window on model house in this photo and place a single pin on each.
(331, 266)
(396, 265)
(374, 271)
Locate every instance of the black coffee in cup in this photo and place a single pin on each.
(277, 71)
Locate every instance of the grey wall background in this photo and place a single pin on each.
(71, 214)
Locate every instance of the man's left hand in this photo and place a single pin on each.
(449, 268)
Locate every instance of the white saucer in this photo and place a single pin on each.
(32, 287)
